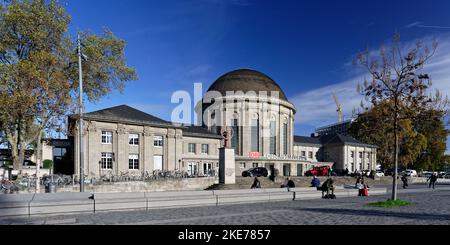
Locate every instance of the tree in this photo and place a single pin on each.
(431, 124)
(38, 69)
(376, 127)
(399, 80)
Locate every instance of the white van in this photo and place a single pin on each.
(411, 173)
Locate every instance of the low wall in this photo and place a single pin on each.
(70, 203)
(154, 186)
(420, 180)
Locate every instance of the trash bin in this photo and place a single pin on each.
(50, 188)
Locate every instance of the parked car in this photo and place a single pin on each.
(319, 171)
(256, 172)
(379, 174)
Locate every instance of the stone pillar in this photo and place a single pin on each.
(227, 166)
(122, 151)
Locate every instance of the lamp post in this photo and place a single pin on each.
(80, 108)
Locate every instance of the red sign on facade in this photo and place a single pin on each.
(254, 155)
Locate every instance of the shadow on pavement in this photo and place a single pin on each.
(380, 213)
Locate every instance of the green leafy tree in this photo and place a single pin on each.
(39, 73)
(376, 127)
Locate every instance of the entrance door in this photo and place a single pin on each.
(287, 170)
(192, 169)
(299, 170)
(207, 169)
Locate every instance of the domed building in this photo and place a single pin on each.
(255, 110)
(246, 106)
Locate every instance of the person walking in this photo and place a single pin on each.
(433, 179)
(405, 181)
(290, 185)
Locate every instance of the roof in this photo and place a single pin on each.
(126, 114)
(332, 139)
(303, 140)
(342, 139)
(195, 131)
(247, 80)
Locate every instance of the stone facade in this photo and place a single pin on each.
(171, 155)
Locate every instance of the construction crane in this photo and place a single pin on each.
(339, 107)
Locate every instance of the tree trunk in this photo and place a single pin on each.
(394, 187)
(22, 149)
(38, 161)
(13, 143)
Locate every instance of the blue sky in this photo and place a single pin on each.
(307, 47)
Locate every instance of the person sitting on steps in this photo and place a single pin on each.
(256, 184)
(328, 187)
(315, 183)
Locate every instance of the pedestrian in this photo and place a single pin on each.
(405, 181)
(290, 184)
(360, 186)
(256, 184)
(433, 179)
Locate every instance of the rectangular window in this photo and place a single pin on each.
(242, 165)
(106, 162)
(360, 155)
(255, 135)
(255, 165)
(133, 139)
(158, 163)
(285, 136)
(107, 137)
(303, 153)
(311, 155)
(158, 141)
(273, 137)
(133, 162)
(353, 155)
(191, 148)
(205, 149)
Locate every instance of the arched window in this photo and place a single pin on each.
(236, 133)
(273, 135)
(285, 137)
(255, 133)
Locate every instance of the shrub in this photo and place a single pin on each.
(48, 164)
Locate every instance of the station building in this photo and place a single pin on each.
(248, 105)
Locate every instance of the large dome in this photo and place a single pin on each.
(246, 80)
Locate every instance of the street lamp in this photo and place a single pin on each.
(81, 56)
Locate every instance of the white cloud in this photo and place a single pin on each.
(317, 107)
(419, 24)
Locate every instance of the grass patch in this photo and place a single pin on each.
(389, 204)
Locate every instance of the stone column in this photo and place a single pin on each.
(227, 166)
(121, 155)
(92, 150)
(171, 151)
